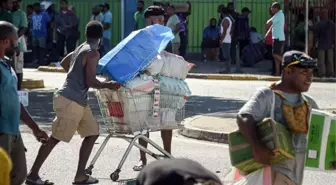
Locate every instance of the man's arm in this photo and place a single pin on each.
(90, 62)
(253, 111)
(65, 63)
(269, 31)
(23, 24)
(136, 21)
(225, 26)
(29, 121)
(177, 28)
(269, 21)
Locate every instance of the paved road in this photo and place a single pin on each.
(208, 96)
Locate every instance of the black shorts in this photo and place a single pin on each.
(208, 43)
(278, 46)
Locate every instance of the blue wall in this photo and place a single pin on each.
(130, 9)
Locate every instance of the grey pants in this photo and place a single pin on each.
(326, 63)
(13, 145)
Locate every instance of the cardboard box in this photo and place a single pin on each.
(321, 146)
(275, 136)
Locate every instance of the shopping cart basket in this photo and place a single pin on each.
(130, 115)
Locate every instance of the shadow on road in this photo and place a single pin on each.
(41, 106)
(208, 104)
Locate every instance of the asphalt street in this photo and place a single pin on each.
(208, 96)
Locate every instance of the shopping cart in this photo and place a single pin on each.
(129, 115)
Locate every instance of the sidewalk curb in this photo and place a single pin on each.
(206, 135)
(241, 77)
(51, 69)
(32, 83)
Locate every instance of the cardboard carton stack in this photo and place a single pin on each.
(275, 136)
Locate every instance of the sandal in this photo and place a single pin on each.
(90, 180)
(38, 182)
(139, 166)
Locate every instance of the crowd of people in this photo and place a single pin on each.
(222, 38)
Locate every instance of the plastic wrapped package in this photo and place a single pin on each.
(165, 121)
(171, 65)
(136, 109)
(134, 53)
(130, 112)
(142, 83)
(175, 66)
(174, 86)
(156, 65)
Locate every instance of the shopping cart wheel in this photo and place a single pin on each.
(115, 175)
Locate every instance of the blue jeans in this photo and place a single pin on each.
(105, 47)
(226, 52)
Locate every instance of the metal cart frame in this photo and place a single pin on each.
(132, 139)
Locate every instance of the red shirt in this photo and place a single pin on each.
(268, 39)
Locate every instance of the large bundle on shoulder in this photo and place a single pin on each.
(153, 92)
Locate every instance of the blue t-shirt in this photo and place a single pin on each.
(107, 18)
(211, 33)
(10, 107)
(278, 22)
(39, 24)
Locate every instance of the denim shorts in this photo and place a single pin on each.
(226, 51)
(40, 42)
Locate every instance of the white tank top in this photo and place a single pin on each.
(227, 38)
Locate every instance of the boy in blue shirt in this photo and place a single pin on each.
(11, 110)
(40, 20)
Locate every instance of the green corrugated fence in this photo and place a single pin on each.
(202, 12)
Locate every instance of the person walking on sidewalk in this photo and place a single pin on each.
(225, 40)
(71, 107)
(12, 112)
(286, 103)
(277, 23)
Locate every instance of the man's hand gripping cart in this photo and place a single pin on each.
(130, 115)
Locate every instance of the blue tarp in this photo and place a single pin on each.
(133, 54)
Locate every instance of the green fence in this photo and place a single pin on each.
(204, 10)
(83, 10)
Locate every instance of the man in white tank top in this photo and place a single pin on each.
(225, 40)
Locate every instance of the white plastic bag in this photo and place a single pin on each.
(165, 121)
(142, 83)
(259, 177)
(175, 66)
(156, 65)
(174, 86)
